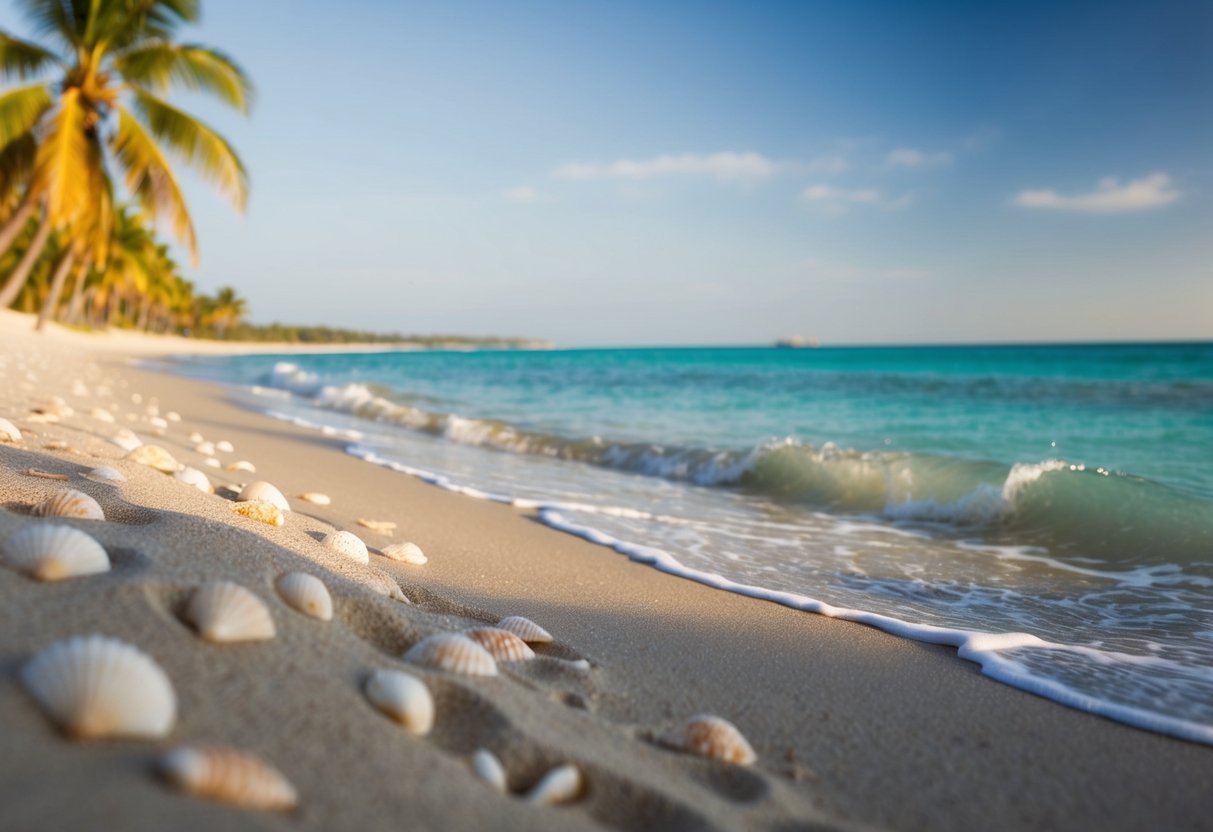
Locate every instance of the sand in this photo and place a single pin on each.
(854, 728)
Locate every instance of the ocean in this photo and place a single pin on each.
(1046, 509)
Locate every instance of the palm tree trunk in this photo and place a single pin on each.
(21, 274)
(75, 307)
(48, 308)
(11, 228)
(145, 306)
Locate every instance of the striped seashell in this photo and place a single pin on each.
(405, 552)
(347, 544)
(452, 652)
(261, 490)
(316, 498)
(126, 440)
(222, 611)
(241, 465)
(228, 776)
(223, 446)
(489, 769)
(307, 594)
(8, 431)
(102, 415)
(559, 785)
(717, 739)
(153, 456)
(525, 629)
(70, 503)
(51, 552)
(96, 687)
(194, 477)
(404, 698)
(502, 645)
(262, 512)
(105, 473)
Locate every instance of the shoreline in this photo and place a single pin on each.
(854, 728)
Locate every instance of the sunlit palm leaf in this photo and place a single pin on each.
(150, 178)
(20, 110)
(17, 162)
(22, 59)
(159, 65)
(121, 23)
(62, 168)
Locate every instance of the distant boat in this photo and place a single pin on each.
(797, 342)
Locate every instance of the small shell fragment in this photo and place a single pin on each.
(262, 512)
(241, 465)
(96, 687)
(525, 629)
(126, 440)
(307, 594)
(261, 490)
(51, 552)
(223, 446)
(204, 448)
(211, 462)
(70, 503)
(559, 785)
(194, 477)
(196, 438)
(229, 776)
(453, 652)
(404, 698)
(106, 473)
(102, 415)
(347, 544)
(8, 431)
(405, 552)
(717, 739)
(489, 769)
(173, 416)
(502, 645)
(46, 475)
(156, 457)
(222, 611)
(379, 526)
(316, 498)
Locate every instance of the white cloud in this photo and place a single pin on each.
(908, 157)
(523, 194)
(835, 200)
(726, 167)
(1111, 197)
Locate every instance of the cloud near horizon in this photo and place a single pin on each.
(1111, 197)
(908, 157)
(727, 166)
(839, 200)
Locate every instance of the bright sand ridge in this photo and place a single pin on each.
(853, 728)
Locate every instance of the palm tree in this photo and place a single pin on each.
(225, 310)
(112, 60)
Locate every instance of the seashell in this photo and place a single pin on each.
(454, 652)
(717, 739)
(404, 698)
(156, 457)
(379, 526)
(80, 389)
(307, 594)
(70, 503)
(502, 645)
(158, 423)
(173, 416)
(489, 769)
(316, 498)
(242, 465)
(196, 438)
(52, 552)
(259, 490)
(222, 611)
(102, 415)
(39, 418)
(559, 785)
(96, 687)
(347, 544)
(211, 462)
(106, 473)
(205, 448)
(8, 431)
(224, 446)
(525, 629)
(126, 440)
(228, 776)
(55, 445)
(262, 512)
(45, 475)
(194, 477)
(406, 552)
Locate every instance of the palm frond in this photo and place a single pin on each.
(63, 161)
(63, 19)
(200, 146)
(21, 58)
(123, 23)
(150, 179)
(17, 162)
(20, 109)
(195, 67)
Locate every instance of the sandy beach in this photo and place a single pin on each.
(853, 728)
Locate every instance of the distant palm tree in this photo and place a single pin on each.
(226, 310)
(59, 139)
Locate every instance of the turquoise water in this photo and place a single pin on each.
(1048, 509)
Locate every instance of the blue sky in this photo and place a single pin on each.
(619, 173)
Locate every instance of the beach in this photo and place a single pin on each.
(853, 728)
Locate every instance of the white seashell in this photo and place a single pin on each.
(173, 416)
(502, 645)
(211, 462)
(404, 698)
(262, 512)
(717, 739)
(222, 611)
(126, 440)
(80, 389)
(525, 629)
(51, 552)
(406, 552)
(347, 544)
(307, 594)
(489, 769)
(378, 526)
(70, 503)
(136, 398)
(195, 438)
(194, 477)
(559, 785)
(205, 448)
(156, 457)
(158, 423)
(224, 446)
(96, 687)
(228, 776)
(453, 652)
(242, 465)
(316, 498)
(8, 431)
(260, 490)
(102, 415)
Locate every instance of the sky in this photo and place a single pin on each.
(718, 173)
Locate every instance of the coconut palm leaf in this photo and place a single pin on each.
(17, 162)
(22, 59)
(160, 65)
(150, 179)
(20, 109)
(61, 170)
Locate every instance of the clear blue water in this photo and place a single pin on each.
(953, 494)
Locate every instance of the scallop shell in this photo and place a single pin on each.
(453, 652)
(404, 698)
(717, 739)
(260, 490)
(222, 611)
(8, 431)
(347, 544)
(223, 446)
(70, 503)
(241, 465)
(316, 498)
(154, 456)
(406, 552)
(502, 645)
(126, 440)
(489, 769)
(228, 776)
(194, 477)
(96, 687)
(102, 415)
(559, 785)
(106, 473)
(525, 629)
(262, 512)
(307, 594)
(51, 552)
